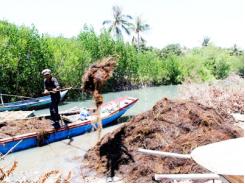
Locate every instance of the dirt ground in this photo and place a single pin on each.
(226, 96)
(173, 126)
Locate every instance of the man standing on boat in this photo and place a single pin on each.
(51, 86)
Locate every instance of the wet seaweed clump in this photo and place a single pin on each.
(172, 126)
(97, 74)
(93, 80)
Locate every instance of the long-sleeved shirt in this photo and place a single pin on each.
(51, 84)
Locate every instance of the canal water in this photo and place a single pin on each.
(60, 155)
(147, 96)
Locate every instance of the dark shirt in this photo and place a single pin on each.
(51, 84)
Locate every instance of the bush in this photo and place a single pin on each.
(24, 53)
(174, 73)
(221, 70)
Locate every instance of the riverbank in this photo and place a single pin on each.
(226, 96)
(174, 126)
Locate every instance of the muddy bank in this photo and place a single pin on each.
(18, 127)
(227, 96)
(174, 126)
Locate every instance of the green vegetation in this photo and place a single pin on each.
(24, 53)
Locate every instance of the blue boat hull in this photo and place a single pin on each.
(31, 104)
(61, 134)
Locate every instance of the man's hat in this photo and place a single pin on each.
(46, 71)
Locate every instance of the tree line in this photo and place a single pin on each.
(24, 53)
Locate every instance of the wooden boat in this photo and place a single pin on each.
(33, 103)
(109, 113)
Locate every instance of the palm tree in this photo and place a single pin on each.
(205, 41)
(235, 51)
(139, 28)
(120, 22)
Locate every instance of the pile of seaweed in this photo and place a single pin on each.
(173, 126)
(18, 127)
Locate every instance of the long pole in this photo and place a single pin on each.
(1, 158)
(187, 176)
(2, 103)
(15, 96)
(61, 90)
(164, 154)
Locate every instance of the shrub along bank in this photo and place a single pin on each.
(24, 53)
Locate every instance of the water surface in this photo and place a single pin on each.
(147, 96)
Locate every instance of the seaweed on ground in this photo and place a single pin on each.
(173, 126)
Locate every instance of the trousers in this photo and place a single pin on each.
(54, 110)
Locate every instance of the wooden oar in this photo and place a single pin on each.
(17, 96)
(2, 103)
(225, 157)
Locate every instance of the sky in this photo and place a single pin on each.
(186, 22)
